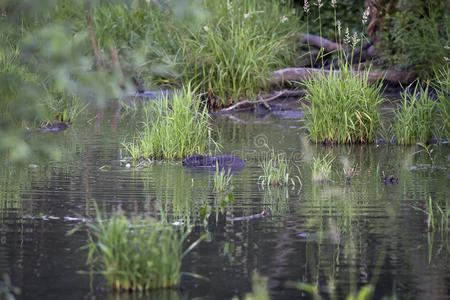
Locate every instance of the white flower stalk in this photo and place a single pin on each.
(229, 5)
(365, 15)
(355, 39)
(306, 6)
(283, 19)
(319, 3)
(347, 36)
(339, 27)
(334, 3)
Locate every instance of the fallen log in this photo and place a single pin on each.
(317, 41)
(285, 76)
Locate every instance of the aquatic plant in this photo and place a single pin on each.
(436, 214)
(276, 170)
(175, 126)
(442, 84)
(136, 254)
(259, 288)
(343, 107)
(415, 118)
(62, 106)
(222, 179)
(321, 167)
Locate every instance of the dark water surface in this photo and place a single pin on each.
(335, 236)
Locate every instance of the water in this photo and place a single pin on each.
(335, 236)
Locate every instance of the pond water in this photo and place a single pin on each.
(336, 236)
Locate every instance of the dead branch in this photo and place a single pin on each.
(265, 99)
(284, 76)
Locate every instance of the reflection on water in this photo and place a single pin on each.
(335, 236)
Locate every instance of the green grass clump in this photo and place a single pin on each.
(230, 57)
(321, 168)
(222, 179)
(416, 117)
(443, 88)
(175, 126)
(343, 107)
(136, 254)
(276, 170)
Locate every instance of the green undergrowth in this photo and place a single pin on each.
(136, 254)
(343, 107)
(415, 118)
(226, 50)
(174, 127)
(231, 55)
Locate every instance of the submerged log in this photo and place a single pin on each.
(284, 76)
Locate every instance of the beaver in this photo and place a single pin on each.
(223, 161)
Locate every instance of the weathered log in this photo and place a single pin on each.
(284, 76)
(318, 41)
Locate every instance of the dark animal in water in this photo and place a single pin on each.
(390, 179)
(222, 161)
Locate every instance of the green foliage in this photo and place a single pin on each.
(222, 179)
(231, 55)
(415, 119)
(276, 170)
(175, 126)
(437, 216)
(136, 254)
(321, 168)
(443, 92)
(415, 35)
(259, 288)
(343, 107)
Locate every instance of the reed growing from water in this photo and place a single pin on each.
(175, 126)
(343, 107)
(321, 168)
(136, 254)
(276, 170)
(222, 179)
(415, 118)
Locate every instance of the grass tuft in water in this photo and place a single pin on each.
(414, 121)
(175, 126)
(276, 170)
(321, 168)
(136, 254)
(259, 288)
(343, 107)
(222, 179)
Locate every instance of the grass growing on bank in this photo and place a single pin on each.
(343, 107)
(231, 56)
(175, 126)
(137, 254)
(415, 119)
